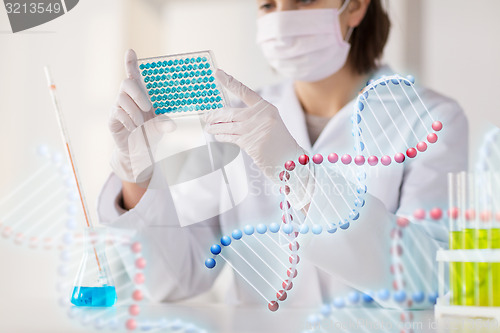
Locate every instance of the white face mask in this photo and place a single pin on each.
(304, 45)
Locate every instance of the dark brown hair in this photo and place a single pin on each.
(368, 39)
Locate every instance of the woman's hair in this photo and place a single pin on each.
(368, 39)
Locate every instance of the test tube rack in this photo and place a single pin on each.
(443, 306)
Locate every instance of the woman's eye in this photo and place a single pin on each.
(266, 6)
(305, 2)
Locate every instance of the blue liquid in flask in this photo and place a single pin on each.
(104, 296)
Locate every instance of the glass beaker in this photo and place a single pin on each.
(94, 286)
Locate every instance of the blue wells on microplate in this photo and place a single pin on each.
(181, 83)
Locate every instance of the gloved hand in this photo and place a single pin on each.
(132, 109)
(257, 129)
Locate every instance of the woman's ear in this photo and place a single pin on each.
(356, 11)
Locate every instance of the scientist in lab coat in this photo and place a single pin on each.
(326, 50)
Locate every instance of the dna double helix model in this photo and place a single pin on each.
(390, 122)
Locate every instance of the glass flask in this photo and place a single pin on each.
(94, 286)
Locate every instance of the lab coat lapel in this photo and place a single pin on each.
(336, 134)
(337, 131)
(293, 116)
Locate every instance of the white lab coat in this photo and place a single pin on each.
(333, 264)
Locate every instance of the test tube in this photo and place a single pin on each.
(483, 278)
(495, 235)
(469, 237)
(455, 239)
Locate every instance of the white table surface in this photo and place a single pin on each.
(41, 315)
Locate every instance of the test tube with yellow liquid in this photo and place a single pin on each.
(473, 256)
(469, 238)
(495, 235)
(481, 195)
(455, 238)
(495, 243)
(474, 227)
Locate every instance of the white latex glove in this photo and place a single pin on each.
(132, 109)
(257, 129)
